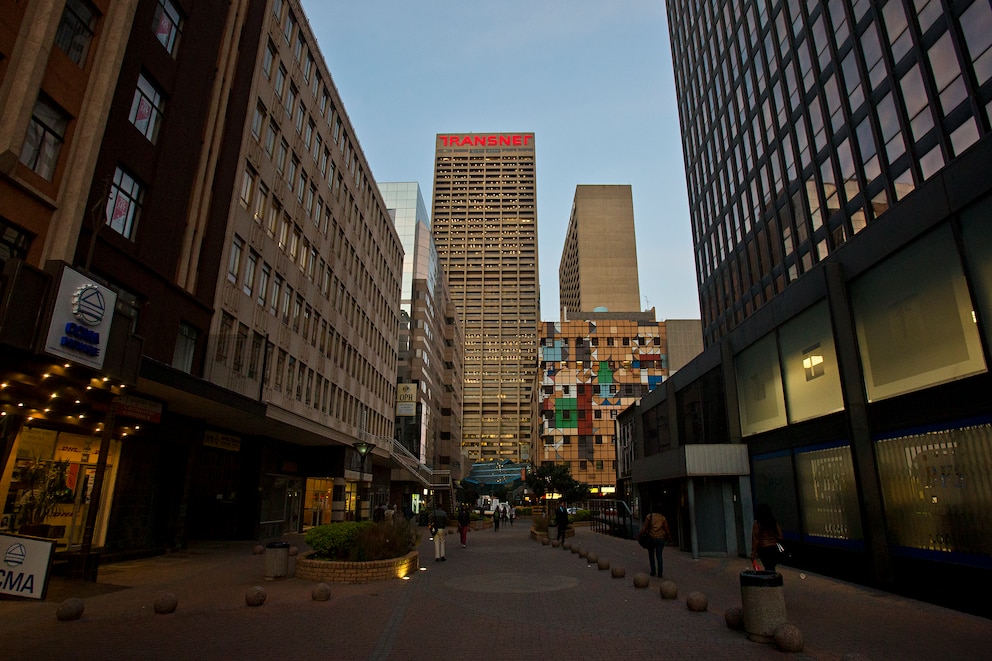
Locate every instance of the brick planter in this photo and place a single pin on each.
(328, 571)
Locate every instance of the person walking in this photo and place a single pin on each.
(513, 513)
(496, 519)
(561, 521)
(766, 538)
(439, 519)
(503, 514)
(656, 525)
(464, 519)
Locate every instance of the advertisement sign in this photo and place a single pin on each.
(406, 399)
(81, 320)
(24, 566)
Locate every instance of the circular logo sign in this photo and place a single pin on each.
(15, 555)
(88, 305)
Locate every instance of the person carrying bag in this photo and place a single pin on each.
(652, 536)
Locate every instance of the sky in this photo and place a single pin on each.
(591, 79)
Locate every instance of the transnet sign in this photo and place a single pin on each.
(482, 140)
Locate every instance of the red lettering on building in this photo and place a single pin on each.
(516, 140)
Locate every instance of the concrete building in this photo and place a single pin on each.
(837, 157)
(485, 227)
(598, 266)
(206, 320)
(430, 379)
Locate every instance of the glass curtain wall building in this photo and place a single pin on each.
(485, 227)
(804, 122)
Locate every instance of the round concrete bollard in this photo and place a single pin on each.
(592, 558)
(258, 549)
(668, 590)
(294, 551)
(734, 618)
(566, 545)
(696, 602)
(603, 563)
(576, 549)
(70, 609)
(545, 541)
(166, 603)
(788, 638)
(641, 580)
(618, 572)
(321, 592)
(255, 596)
(555, 543)
(583, 553)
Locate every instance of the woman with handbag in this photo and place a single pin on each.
(766, 538)
(655, 530)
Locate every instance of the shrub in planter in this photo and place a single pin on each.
(540, 524)
(362, 541)
(524, 511)
(335, 541)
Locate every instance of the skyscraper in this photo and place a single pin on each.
(805, 122)
(599, 261)
(485, 227)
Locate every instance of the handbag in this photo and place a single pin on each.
(645, 540)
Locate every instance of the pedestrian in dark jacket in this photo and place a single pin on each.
(561, 520)
(464, 519)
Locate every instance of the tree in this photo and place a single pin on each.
(557, 478)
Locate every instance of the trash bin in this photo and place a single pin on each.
(276, 560)
(763, 603)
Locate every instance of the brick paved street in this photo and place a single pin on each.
(504, 597)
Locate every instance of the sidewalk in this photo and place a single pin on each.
(505, 596)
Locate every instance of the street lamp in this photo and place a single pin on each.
(363, 448)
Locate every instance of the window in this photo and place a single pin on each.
(43, 141)
(257, 121)
(223, 337)
(263, 284)
(280, 80)
(271, 131)
(239, 347)
(248, 286)
(268, 58)
(168, 25)
(248, 186)
(234, 262)
(182, 355)
(276, 293)
(289, 26)
(124, 204)
(75, 31)
(146, 108)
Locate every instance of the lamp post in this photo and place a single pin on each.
(363, 448)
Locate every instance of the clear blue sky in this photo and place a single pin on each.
(592, 79)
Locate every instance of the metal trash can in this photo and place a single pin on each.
(276, 560)
(763, 603)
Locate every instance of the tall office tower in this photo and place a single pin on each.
(804, 123)
(485, 227)
(599, 261)
(429, 384)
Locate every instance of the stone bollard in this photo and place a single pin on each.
(166, 603)
(603, 563)
(641, 580)
(697, 602)
(592, 558)
(618, 572)
(583, 553)
(763, 603)
(70, 609)
(255, 596)
(668, 590)
(545, 541)
(555, 543)
(576, 548)
(734, 618)
(321, 592)
(294, 551)
(566, 545)
(788, 638)
(258, 549)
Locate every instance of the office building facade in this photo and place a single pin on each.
(837, 158)
(598, 266)
(430, 379)
(484, 222)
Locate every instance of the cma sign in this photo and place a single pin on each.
(81, 319)
(495, 140)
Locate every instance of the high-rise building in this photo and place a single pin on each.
(837, 157)
(598, 266)
(484, 222)
(804, 123)
(430, 379)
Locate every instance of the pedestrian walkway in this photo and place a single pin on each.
(505, 596)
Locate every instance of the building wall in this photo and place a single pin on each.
(592, 370)
(485, 226)
(806, 124)
(598, 266)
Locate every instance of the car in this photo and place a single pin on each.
(572, 510)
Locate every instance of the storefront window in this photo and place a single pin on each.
(759, 387)
(915, 323)
(937, 490)
(812, 380)
(828, 493)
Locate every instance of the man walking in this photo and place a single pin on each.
(561, 520)
(439, 519)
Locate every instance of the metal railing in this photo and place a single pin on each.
(613, 517)
(438, 481)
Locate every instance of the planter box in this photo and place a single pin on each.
(326, 571)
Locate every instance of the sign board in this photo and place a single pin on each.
(81, 319)
(24, 565)
(139, 408)
(406, 399)
(215, 439)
